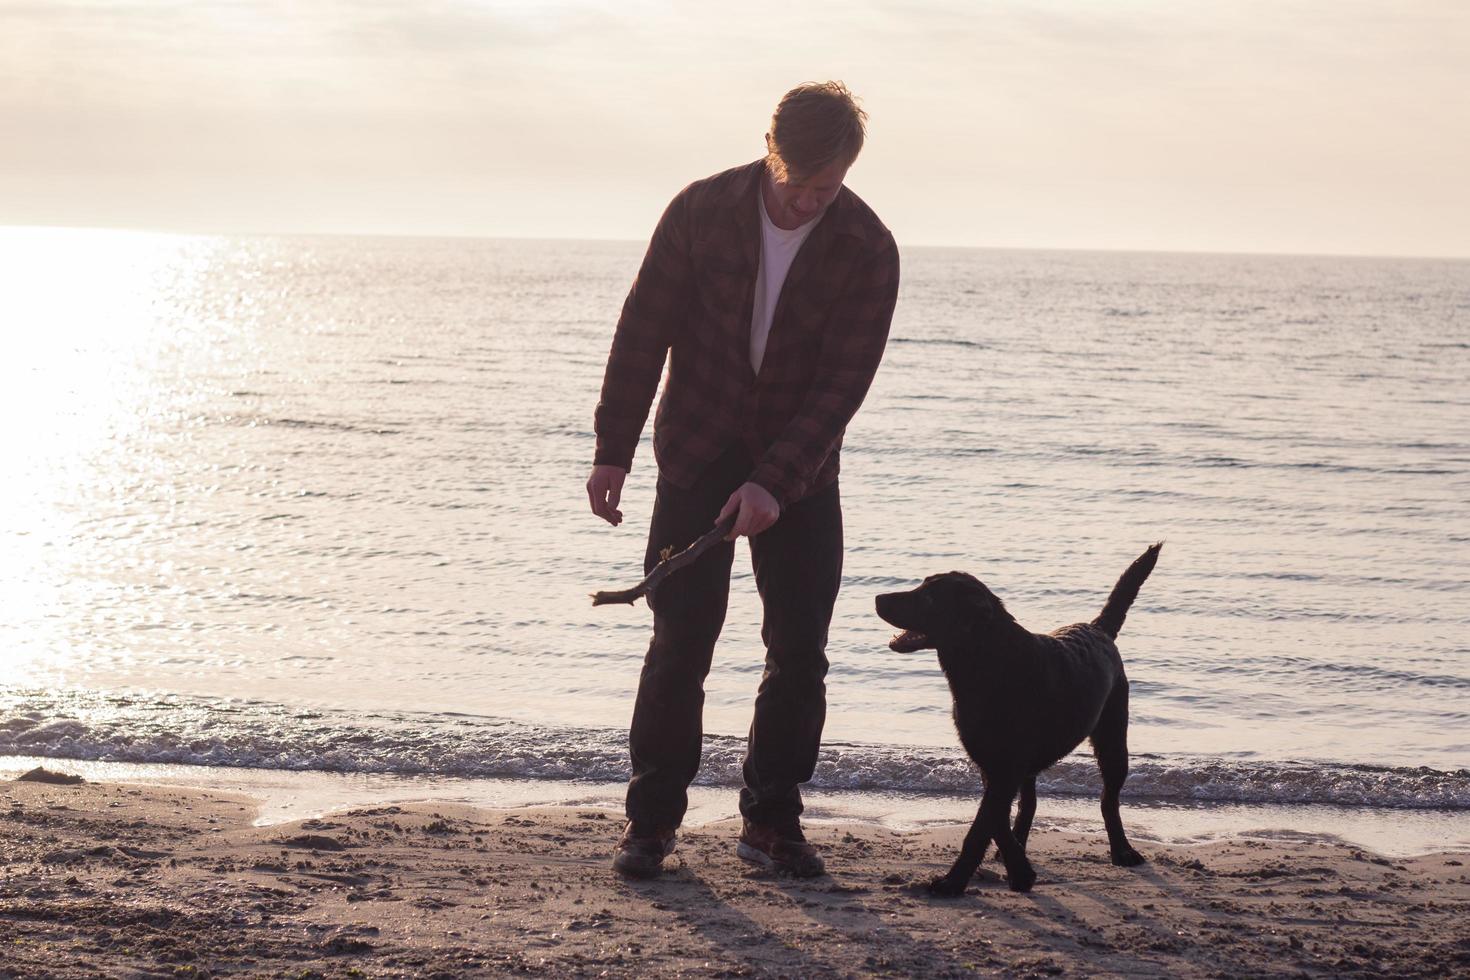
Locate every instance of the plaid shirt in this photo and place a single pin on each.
(692, 302)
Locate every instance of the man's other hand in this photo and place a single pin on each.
(756, 507)
(604, 490)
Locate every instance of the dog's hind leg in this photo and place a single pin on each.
(1026, 810)
(1110, 746)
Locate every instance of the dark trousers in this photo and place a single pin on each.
(798, 568)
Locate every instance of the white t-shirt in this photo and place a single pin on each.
(778, 251)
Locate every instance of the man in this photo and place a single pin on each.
(769, 288)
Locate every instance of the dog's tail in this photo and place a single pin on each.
(1110, 620)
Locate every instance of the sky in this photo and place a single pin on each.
(1299, 126)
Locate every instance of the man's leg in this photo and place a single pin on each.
(798, 569)
(688, 611)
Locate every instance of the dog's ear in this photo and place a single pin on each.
(980, 604)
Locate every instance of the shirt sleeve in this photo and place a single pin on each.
(848, 360)
(656, 303)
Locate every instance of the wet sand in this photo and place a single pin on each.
(117, 880)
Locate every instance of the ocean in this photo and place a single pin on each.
(316, 504)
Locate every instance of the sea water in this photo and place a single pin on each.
(318, 504)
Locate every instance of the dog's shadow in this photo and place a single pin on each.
(1044, 914)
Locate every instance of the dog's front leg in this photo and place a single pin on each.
(972, 852)
(1020, 876)
(1026, 810)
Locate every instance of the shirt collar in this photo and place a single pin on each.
(842, 217)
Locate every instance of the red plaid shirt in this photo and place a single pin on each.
(692, 302)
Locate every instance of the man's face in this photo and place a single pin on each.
(800, 198)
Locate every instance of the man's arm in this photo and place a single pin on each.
(659, 297)
(849, 357)
(658, 300)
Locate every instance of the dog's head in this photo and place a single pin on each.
(948, 608)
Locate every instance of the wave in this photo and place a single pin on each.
(291, 423)
(941, 342)
(185, 730)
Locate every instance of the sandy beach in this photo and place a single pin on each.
(117, 880)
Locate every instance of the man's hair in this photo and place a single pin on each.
(814, 125)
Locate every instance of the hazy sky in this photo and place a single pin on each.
(1333, 126)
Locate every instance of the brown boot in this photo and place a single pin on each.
(640, 852)
(781, 848)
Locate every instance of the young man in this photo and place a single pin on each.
(769, 288)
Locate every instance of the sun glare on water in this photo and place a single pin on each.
(86, 316)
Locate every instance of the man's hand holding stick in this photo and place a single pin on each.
(670, 563)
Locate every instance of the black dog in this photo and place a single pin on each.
(1023, 700)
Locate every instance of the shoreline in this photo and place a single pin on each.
(283, 796)
(106, 879)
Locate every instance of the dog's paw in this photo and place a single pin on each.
(1128, 858)
(946, 887)
(1022, 880)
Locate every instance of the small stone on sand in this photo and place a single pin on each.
(40, 774)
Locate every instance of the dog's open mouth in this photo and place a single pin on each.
(908, 641)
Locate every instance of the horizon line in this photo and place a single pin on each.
(133, 229)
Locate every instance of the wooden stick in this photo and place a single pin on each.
(670, 563)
